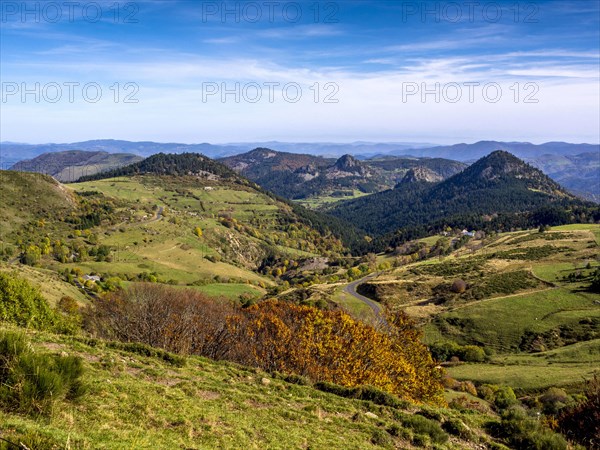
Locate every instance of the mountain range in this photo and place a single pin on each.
(499, 191)
(575, 166)
(301, 176)
(523, 150)
(14, 151)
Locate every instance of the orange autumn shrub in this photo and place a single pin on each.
(332, 346)
(275, 336)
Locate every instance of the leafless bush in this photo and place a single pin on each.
(181, 321)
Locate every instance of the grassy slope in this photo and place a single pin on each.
(595, 229)
(500, 321)
(144, 402)
(143, 242)
(53, 287)
(318, 201)
(566, 366)
(164, 253)
(28, 196)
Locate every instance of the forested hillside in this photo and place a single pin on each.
(193, 164)
(317, 179)
(497, 192)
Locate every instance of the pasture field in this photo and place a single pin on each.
(165, 243)
(319, 201)
(594, 229)
(518, 294)
(563, 367)
(527, 377)
(500, 323)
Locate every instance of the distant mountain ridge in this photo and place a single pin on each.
(301, 176)
(470, 152)
(360, 150)
(73, 164)
(573, 165)
(17, 151)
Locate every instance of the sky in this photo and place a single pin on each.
(219, 72)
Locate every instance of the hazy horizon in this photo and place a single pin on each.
(304, 141)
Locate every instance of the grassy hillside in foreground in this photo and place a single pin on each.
(136, 401)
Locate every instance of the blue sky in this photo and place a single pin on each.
(352, 70)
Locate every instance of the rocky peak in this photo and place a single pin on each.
(348, 163)
(263, 153)
(421, 174)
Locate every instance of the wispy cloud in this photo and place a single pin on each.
(302, 31)
(222, 41)
(369, 55)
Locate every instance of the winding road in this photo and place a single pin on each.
(375, 306)
(158, 214)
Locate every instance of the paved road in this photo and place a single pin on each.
(158, 214)
(86, 290)
(375, 306)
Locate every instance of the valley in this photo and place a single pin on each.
(491, 307)
(300, 225)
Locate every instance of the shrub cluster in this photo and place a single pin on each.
(524, 431)
(23, 305)
(582, 421)
(32, 383)
(425, 427)
(368, 393)
(448, 350)
(585, 329)
(274, 336)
